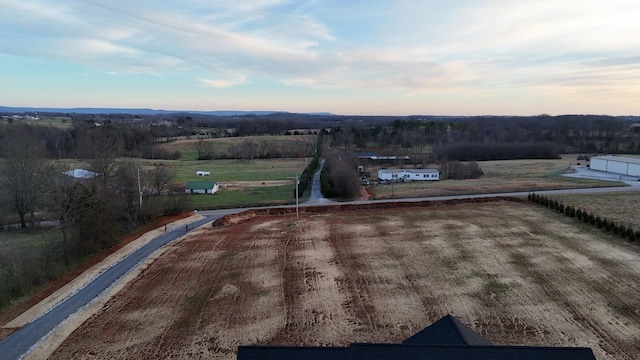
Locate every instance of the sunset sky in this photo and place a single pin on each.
(437, 57)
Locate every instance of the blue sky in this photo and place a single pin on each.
(402, 57)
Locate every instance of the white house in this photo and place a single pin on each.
(201, 187)
(203, 173)
(408, 175)
(616, 164)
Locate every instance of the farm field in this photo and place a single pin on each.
(623, 208)
(187, 148)
(514, 272)
(499, 176)
(257, 170)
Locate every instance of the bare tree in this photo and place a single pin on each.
(101, 147)
(26, 172)
(204, 149)
(73, 202)
(132, 185)
(160, 177)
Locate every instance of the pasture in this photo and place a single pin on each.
(228, 146)
(623, 207)
(499, 176)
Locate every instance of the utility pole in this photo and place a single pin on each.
(139, 188)
(297, 183)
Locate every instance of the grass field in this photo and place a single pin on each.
(623, 208)
(243, 183)
(62, 122)
(250, 196)
(234, 170)
(187, 148)
(499, 176)
(33, 239)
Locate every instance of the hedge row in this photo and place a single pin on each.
(626, 232)
(307, 174)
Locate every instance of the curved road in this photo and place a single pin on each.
(23, 340)
(18, 344)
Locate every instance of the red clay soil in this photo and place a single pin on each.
(516, 273)
(235, 218)
(63, 280)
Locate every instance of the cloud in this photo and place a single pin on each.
(410, 47)
(220, 84)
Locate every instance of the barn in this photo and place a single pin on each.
(201, 187)
(616, 164)
(408, 175)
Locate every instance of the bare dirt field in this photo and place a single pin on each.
(516, 273)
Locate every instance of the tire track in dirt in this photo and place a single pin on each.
(354, 285)
(366, 276)
(311, 296)
(550, 281)
(145, 328)
(413, 274)
(291, 293)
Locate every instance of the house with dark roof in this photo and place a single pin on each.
(445, 339)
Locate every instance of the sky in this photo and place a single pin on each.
(373, 57)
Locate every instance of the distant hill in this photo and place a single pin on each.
(18, 110)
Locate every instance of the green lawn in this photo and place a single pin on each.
(223, 171)
(33, 239)
(234, 170)
(62, 122)
(259, 196)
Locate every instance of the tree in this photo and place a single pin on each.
(159, 178)
(74, 202)
(204, 149)
(101, 147)
(26, 172)
(341, 178)
(132, 185)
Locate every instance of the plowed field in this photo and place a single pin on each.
(516, 273)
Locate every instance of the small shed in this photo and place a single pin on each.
(201, 187)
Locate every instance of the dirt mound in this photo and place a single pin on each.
(250, 214)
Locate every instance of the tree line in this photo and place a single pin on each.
(91, 213)
(624, 231)
(491, 138)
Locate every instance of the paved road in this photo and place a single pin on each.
(20, 342)
(316, 195)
